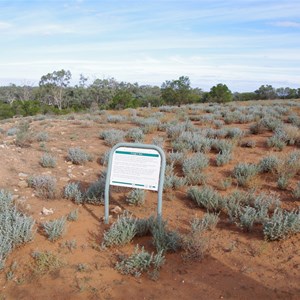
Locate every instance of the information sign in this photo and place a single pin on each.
(136, 168)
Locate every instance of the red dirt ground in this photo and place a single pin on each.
(238, 265)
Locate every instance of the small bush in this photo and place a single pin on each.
(47, 161)
(281, 225)
(268, 164)
(276, 142)
(139, 262)
(73, 215)
(115, 118)
(121, 232)
(283, 181)
(163, 239)
(136, 135)
(247, 217)
(12, 131)
(158, 141)
(296, 191)
(244, 173)
(55, 229)
(193, 166)
(15, 228)
(112, 136)
(42, 137)
(45, 262)
(105, 158)
(209, 221)
(136, 197)
(223, 158)
(72, 191)
(206, 197)
(24, 136)
(78, 156)
(248, 144)
(95, 192)
(44, 185)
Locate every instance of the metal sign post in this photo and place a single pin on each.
(134, 165)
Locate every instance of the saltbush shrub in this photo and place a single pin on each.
(136, 197)
(55, 229)
(244, 173)
(48, 161)
(78, 156)
(44, 185)
(281, 225)
(206, 197)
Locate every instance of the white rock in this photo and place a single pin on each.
(47, 212)
(116, 210)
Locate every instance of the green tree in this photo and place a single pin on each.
(177, 91)
(266, 92)
(219, 93)
(53, 86)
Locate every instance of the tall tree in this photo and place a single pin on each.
(54, 86)
(219, 93)
(266, 92)
(177, 91)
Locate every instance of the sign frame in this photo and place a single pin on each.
(140, 147)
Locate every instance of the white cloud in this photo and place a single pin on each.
(289, 24)
(4, 25)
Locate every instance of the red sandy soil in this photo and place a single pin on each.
(238, 265)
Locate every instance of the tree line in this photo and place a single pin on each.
(54, 94)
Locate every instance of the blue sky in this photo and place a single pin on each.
(243, 44)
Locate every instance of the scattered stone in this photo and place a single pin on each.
(23, 175)
(22, 184)
(116, 210)
(47, 212)
(64, 179)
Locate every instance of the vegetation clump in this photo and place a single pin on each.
(78, 156)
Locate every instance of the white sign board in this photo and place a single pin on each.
(136, 168)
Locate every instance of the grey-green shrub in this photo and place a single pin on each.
(281, 225)
(208, 222)
(55, 229)
(136, 197)
(296, 191)
(115, 118)
(276, 142)
(158, 141)
(175, 158)
(94, 194)
(268, 164)
(223, 158)
(136, 135)
(244, 173)
(164, 240)
(283, 181)
(72, 191)
(206, 197)
(121, 232)
(15, 227)
(12, 131)
(113, 136)
(78, 156)
(140, 261)
(105, 158)
(193, 166)
(247, 217)
(73, 215)
(44, 185)
(42, 136)
(48, 161)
